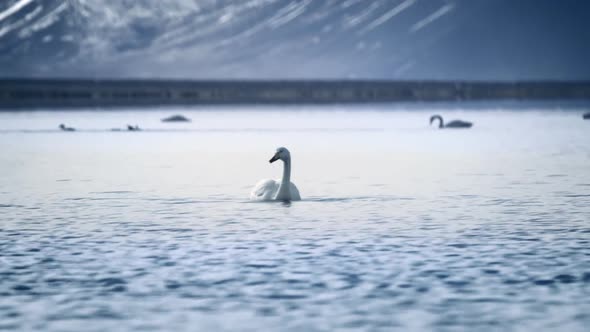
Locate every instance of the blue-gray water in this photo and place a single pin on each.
(401, 226)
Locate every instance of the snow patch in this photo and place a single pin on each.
(14, 8)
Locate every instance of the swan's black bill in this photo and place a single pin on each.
(274, 158)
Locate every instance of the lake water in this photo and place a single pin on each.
(401, 227)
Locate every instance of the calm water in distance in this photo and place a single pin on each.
(402, 226)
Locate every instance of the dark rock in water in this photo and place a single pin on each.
(176, 118)
(586, 116)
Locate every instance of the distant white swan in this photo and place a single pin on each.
(283, 190)
(452, 124)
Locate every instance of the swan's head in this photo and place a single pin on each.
(282, 154)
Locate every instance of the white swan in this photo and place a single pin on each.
(283, 190)
(452, 124)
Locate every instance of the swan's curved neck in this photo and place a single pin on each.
(286, 171)
(285, 189)
(441, 123)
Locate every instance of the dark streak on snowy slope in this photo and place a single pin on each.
(273, 39)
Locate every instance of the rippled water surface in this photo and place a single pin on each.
(401, 227)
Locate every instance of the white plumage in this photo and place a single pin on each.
(279, 190)
(267, 190)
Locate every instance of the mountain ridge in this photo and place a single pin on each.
(278, 39)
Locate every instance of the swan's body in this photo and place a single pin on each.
(281, 190)
(452, 124)
(586, 116)
(268, 189)
(64, 128)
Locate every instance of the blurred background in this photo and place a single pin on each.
(302, 39)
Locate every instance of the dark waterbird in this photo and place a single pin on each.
(133, 128)
(586, 116)
(64, 128)
(452, 124)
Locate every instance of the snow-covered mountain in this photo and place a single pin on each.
(283, 39)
